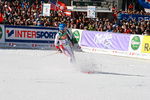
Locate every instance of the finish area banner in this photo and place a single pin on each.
(105, 40)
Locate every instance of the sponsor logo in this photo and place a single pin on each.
(147, 47)
(30, 34)
(76, 35)
(146, 44)
(135, 43)
(104, 39)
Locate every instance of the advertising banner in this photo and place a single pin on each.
(91, 12)
(135, 43)
(146, 44)
(46, 9)
(132, 16)
(2, 37)
(30, 34)
(77, 35)
(105, 40)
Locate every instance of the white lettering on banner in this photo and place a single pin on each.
(103, 39)
(135, 43)
(143, 18)
(30, 34)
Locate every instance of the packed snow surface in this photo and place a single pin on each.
(47, 75)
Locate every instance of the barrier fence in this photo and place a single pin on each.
(89, 41)
(116, 44)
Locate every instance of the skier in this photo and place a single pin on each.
(63, 42)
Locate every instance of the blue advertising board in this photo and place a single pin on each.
(26, 34)
(133, 16)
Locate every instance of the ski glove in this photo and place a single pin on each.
(60, 48)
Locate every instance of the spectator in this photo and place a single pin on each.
(130, 7)
(22, 12)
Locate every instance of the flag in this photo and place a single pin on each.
(64, 13)
(53, 5)
(56, 6)
(67, 13)
(61, 6)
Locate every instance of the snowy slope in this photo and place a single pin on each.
(47, 75)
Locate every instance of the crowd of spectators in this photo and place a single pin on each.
(21, 12)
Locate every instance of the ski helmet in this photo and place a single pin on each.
(62, 26)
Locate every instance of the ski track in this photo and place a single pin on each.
(47, 75)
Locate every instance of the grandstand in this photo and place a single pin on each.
(106, 10)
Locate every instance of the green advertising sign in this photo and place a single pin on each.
(135, 42)
(76, 36)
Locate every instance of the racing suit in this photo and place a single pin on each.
(63, 43)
